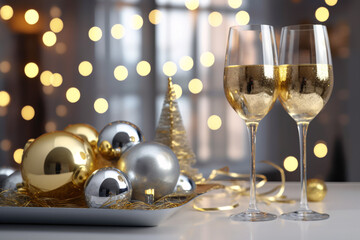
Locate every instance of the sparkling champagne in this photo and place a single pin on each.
(251, 90)
(305, 89)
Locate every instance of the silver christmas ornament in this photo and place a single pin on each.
(4, 173)
(116, 137)
(12, 181)
(105, 187)
(185, 184)
(151, 167)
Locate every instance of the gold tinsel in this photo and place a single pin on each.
(171, 132)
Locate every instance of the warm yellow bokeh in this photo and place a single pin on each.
(137, 22)
(50, 126)
(28, 112)
(18, 153)
(61, 110)
(56, 80)
(4, 98)
(49, 39)
(290, 163)
(48, 90)
(155, 16)
(207, 59)
(45, 78)
(85, 68)
(73, 95)
(5, 145)
(31, 70)
(95, 34)
(195, 86)
(31, 16)
(235, 3)
(331, 2)
(191, 4)
(60, 48)
(215, 19)
(6, 12)
(186, 63)
(121, 73)
(101, 105)
(214, 122)
(143, 68)
(177, 90)
(56, 25)
(322, 14)
(117, 31)
(242, 18)
(5, 66)
(320, 150)
(169, 68)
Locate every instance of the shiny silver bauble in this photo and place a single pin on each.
(12, 181)
(185, 184)
(117, 137)
(150, 165)
(106, 187)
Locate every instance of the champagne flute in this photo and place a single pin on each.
(251, 87)
(306, 83)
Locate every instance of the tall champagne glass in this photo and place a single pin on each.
(306, 83)
(250, 84)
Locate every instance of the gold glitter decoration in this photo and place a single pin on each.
(316, 190)
(171, 132)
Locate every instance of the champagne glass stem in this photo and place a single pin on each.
(303, 128)
(252, 128)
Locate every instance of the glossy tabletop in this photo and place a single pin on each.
(342, 203)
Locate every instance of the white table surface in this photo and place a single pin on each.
(342, 203)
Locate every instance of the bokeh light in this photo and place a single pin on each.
(5, 67)
(235, 3)
(191, 4)
(4, 98)
(56, 25)
(50, 126)
(45, 78)
(290, 163)
(207, 59)
(31, 16)
(322, 14)
(186, 63)
(60, 48)
(56, 80)
(85, 68)
(320, 149)
(169, 68)
(117, 31)
(48, 90)
(155, 16)
(195, 86)
(3, 111)
(215, 19)
(143, 68)
(73, 95)
(27, 112)
(95, 34)
(31, 70)
(49, 39)
(177, 90)
(137, 22)
(101, 105)
(55, 12)
(214, 122)
(18, 153)
(6, 12)
(242, 17)
(121, 73)
(5, 145)
(331, 2)
(61, 110)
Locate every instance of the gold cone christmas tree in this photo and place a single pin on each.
(171, 132)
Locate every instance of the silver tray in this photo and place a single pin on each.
(85, 216)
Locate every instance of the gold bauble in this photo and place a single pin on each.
(316, 190)
(57, 165)
(84, 131)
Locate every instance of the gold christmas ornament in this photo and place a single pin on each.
(85, 131)
(171, 132)
(57, 165)
(316, 190)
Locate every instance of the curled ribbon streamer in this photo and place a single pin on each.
(273, 195)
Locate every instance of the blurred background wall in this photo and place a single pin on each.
(97, 61)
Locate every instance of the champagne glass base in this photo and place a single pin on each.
(304, 215)
(253, 216)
